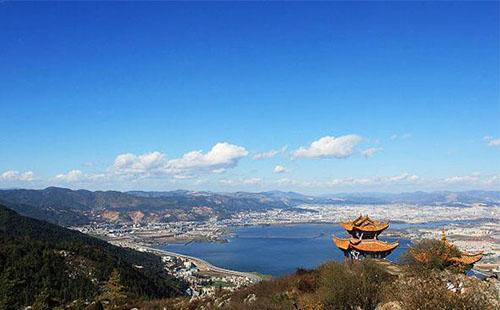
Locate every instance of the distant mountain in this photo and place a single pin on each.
(36, 257)
(69, 207)
(432, 198)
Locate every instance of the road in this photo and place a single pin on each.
(206, 266)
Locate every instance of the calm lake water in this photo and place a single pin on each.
(275, 250)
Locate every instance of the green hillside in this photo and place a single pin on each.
(38, 258)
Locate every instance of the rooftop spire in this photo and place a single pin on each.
(443, 235)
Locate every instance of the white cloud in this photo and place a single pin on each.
(71, 176)
(492, 180)
(328, 146)
(396, 183)
(404, 136)
(13, 175)
(236, 182)
(461, 179)
(252, 181)
(279, 169)
(269, 154)
(182, 177)
(492, 141)
(219, 171)
(298, 183)
(366, 182)
(77, 176)
(403, 178)
(369, 152)
(473, 180)
(264, 155)
(145, 164)
(221, 156)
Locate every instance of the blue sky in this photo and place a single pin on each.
(397, 96)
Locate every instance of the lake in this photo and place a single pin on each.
(276, 249)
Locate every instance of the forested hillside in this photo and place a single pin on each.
(39, 259)
(74, 207)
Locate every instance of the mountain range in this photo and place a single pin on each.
(76, 207)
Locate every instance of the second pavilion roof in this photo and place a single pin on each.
(364, 245)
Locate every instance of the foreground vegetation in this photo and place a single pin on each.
(370, 284)
(360, 285)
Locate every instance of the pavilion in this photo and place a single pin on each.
(364, 240)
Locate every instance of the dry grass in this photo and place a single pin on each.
(360, 285)
(427, 290)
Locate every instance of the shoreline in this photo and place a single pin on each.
(470, 236)
(203, 265)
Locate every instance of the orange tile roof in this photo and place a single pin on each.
(464, 259)
(364, 245)
(342, 244)
(373, 245)
(467, 259)
(364, 223)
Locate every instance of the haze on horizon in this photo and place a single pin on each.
(306, 97)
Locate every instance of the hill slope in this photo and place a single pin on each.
(73, 207)
(361, 285)
(37, 256)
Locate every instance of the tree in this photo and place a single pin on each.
(42, 301)
(9, 286)
(113, 290)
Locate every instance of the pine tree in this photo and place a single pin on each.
(42, 301)
(7, 297)
(113, 290)
(8, 291)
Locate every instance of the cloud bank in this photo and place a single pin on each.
(221, 156)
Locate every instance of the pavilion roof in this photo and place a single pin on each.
(364, 224)
(467, 259)
(464, 259)
(364, 245)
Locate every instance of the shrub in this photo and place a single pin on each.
(352, 285)
(430, 254)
